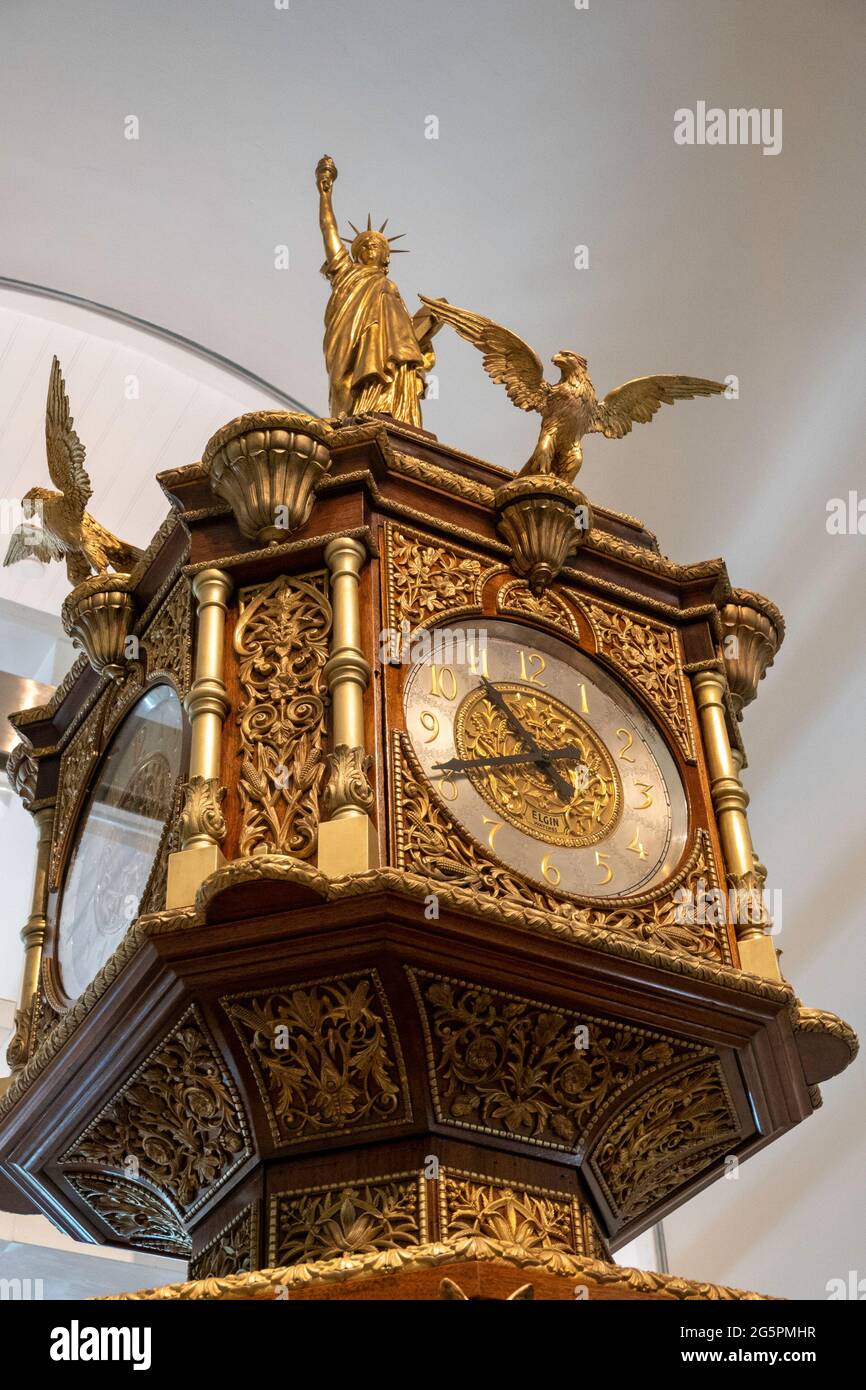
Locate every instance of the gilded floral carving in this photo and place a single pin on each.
(281, 641)
(648, 652)
(168, 638)
(672, 1132)
(325, 1056)
(511, 1066)
(387, 1213)
(75, 765)
(177, 1121)
(514, 1214)
(549, 607)
(426, 579)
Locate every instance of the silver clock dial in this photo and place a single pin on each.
(604, 816)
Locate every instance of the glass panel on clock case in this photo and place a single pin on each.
(119, 836)
(545, 759)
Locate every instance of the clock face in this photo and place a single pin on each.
(118, 837)
(546, 760)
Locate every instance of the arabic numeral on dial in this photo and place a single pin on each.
(531, 666)
(629, 740)
(447, 787)
(550, 872)
(495, 825)
(443, 682)
(635, 845)
(607, 871)
(646, 788)
(430, 724)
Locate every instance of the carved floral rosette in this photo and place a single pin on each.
(267, 466)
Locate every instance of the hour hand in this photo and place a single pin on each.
(563, 789)
(543, 755)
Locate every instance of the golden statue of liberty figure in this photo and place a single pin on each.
(376, 353)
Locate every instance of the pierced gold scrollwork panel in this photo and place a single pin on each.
(516, 1068)
(325, 1056)
(281, 644)
(233, 1250)
(167, 639)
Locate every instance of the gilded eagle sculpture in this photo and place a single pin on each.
(66, 530)
(569, 408)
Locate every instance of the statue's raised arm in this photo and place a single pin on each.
(326, 176)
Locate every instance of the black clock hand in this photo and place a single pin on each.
(562, 788)
(543, 755)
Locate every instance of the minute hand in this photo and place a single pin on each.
(562, 788)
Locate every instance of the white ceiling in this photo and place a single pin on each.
(556, 129)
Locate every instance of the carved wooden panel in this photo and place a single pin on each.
(177, 1122)
(320, 1223)
(325, 1056)
(672, 1132)
(133, 1212)
(234, 1250)
(427, 580)
(167, 639)
(511, 1066)
(515, 1214)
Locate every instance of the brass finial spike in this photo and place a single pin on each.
(355, 229)
(369, 222)
(397, 237)
(384, 225)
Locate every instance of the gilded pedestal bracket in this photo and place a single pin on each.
(267, 466)
(98, 616)
(207, 705)
(544, 520)
(754, 630)
(347, 841)
(745, 873)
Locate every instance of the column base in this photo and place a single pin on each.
(758, 957)
(347, 846)
(187, 870)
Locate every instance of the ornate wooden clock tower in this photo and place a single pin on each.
(331, 984)
(397, 930)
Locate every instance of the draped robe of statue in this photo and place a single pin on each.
(374, 359)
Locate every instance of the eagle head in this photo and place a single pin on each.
(571, 365)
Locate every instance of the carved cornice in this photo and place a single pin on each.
(404, 883)
(269, 1284)
(822, 1021)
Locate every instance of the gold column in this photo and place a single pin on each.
(348, 843)
(730, 800)
(33, 936)
(207, 704)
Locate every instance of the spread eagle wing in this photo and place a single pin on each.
(637, 401)
(64, 449)
(32, 543)
(507, 358)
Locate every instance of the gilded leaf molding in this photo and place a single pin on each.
(178, 1120)
(133, 1212)
(265, 1285)
(202, 809)
(325, 1056)
(383, 1213)
(234, 1250)
(511, 1066)
(167, 639)
(431, 844)
(281, 641)
(670, 1134)
(427, 580)
(648, 652)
